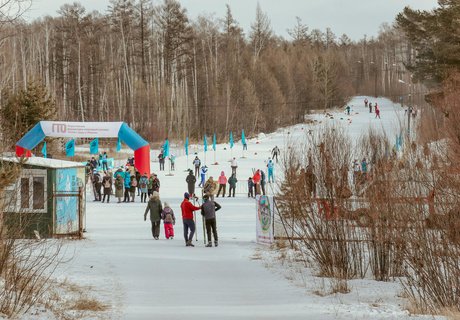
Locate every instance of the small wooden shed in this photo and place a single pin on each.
(48, 199)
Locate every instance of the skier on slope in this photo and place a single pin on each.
(197, 164)
(270, 166)
(187, 209)
(204, 170)
(208, 211)
(348, 109)
(234, 165)
(275, 152)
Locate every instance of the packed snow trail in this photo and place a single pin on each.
(143, 278)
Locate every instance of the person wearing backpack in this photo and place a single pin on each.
(132, 188)
(155, 208)
(119, 187)
(169, 220)
(143, 182)
(107, 184)
(208, 211)
(138, 178)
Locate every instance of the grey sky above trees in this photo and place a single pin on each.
(356, 18)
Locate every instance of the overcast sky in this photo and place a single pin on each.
(353, 17)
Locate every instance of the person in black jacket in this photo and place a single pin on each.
(191, 180)
(208, 211)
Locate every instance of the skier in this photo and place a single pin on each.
(222, 184)
(187, 209)
(161, 160)
(366, 102)
(234, 165)
(270, 166)
(232, 185)
(127, 181)
(107, 184)
(208, 211)
(143, 186)
(197, 164)
(191, 180)
(275, 153)
(210, 188)
(204, 170)
(348, 108)
(169, 220)
(155, 208)
(250, 188)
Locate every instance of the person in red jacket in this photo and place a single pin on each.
(256, 179)
(187, 209)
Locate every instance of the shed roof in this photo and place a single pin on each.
(45, 162)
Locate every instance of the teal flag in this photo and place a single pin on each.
(118, 145)
(44, 150)
(205, 143)
(243, 138)
(186, 146)
(231, 140)
(94, 146)
(166, 148)
(214, 142)
(70, 148)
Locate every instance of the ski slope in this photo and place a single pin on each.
(142, 278)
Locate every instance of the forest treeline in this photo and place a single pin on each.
(167, 75)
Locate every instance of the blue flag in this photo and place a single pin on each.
(118, 145)
(205, 143)
(214, 142)
(44, 150)
(186, 146)
(243, 138)
(231, 140)
(94, 146)
(166, 148)
(70, 148)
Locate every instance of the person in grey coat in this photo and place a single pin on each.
(208, 211)
(155, 207)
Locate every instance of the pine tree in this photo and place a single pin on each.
(23, 110)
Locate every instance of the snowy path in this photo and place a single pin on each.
(142, 278)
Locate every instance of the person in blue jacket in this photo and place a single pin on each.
(204, 170)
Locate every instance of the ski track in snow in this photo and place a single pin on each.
(142, 278)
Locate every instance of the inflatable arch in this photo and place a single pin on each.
(62, 129)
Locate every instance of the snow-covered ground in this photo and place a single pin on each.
(143, 278)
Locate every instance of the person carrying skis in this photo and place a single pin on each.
(191, 180)
(143, 186)
(232, 185)
(204, 170)
(222, 184)
(155, 208)
(187, 209)
(234, 165)
(197, 164)
(275, 153)
(208, 211)
(169, 220)
(270, 167)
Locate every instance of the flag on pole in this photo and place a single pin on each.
(166, 148)
(94, 146)
(118, 145)
(231, 139)
(70, 148)
(243, 138)
(205, 143)
(214, 142)
(186, 146)
(44, 150)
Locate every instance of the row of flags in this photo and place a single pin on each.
(214, 142)
(94, 145)
(70, 147)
